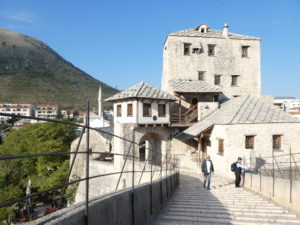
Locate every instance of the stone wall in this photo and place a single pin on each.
(97, 143)
(227, 61)
(234, 142)
(119, 207)
(285, 193)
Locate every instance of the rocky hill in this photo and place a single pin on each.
(30, 71)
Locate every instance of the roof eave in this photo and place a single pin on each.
(137, 98)
(196, 92)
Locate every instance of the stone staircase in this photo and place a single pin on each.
(192, 204)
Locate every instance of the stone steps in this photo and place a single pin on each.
(229, 219)
(218, 214)
(191, 204)
(226, 210)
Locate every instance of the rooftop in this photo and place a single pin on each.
(240, 110)
(193, 86)
(141, 90)
(196, 32)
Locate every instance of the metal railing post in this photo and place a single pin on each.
(123, 166)
(161, 165)
(167, 174)
(296, 167)
(70, 170)
(251, 170)
(291, 179)
(260, 172)
(87, 172)
(133, 171)
(273, 173)
(151, 183)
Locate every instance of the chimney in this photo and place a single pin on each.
(206, 108)
(225, 31)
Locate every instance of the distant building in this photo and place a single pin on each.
(69, 114)
(287, 103)
(49, 111)
(23, 109)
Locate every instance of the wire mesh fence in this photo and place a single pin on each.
(280, 165)
(270, 169)
(148, 170)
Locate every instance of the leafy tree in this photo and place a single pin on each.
(44, 171)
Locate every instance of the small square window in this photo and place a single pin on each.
(129, 109)
(245, 51)
(201, 75)
(221, 146)
(119, 110)
(249, 142)
(186, 49)
(211, 50)
(161, 110)
(147, 111)
(234, 80)
(277, 142)
(217, 80)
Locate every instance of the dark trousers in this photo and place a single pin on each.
(237, 179)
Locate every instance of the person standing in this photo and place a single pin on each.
(207, 168)
(238, 171)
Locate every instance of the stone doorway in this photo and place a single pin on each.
(151, 148)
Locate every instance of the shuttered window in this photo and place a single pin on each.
(147, 111)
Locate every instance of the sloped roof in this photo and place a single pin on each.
(211, 34)
(141, 90)
(193, 86)
(240, 110)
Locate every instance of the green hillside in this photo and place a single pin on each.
(32, 72)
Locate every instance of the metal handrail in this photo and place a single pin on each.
(86, 129)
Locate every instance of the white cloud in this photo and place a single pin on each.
(21, 16)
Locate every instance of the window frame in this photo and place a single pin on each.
(277, 146)
(252, 143)
(245, 47)
(219, 76)
(201, 73)
(188, 47)
(165, 109)
(220, 146)
(211, 47)
(237, 80)
(147, 113)
(129, 111)
(119, 110)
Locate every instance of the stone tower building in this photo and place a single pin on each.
(212, 58)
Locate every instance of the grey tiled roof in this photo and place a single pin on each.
(193, 86)
(141, 90)
(241, 110)
(211, 34)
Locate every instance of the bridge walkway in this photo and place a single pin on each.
(192, 204)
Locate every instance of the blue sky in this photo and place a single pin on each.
(120, 42)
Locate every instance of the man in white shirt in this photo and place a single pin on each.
(207, 168)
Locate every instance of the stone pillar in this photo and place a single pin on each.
(122, 146)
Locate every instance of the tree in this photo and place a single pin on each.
(44, 171)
